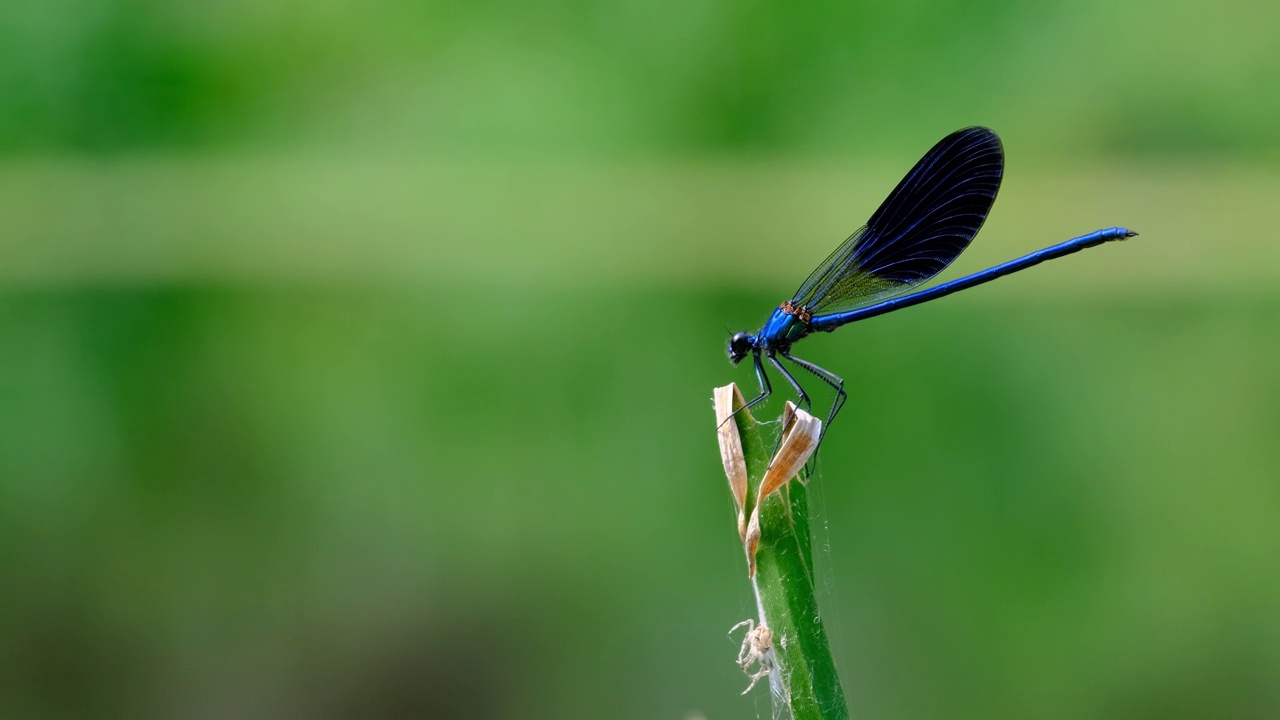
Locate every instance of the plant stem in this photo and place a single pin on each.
(779, 556)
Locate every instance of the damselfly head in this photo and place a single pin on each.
(739, 346)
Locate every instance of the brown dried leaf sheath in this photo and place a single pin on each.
(798, 442)
(735, 465)
(799, 439)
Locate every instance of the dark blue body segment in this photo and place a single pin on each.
(827, 323)
(924, 224)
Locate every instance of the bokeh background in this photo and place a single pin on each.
(356, 358)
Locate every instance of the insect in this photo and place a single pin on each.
(924, 224)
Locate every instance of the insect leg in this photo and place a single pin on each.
(828, 377)
(765, 389)
(804, 396)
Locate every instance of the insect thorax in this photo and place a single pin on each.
(786, 325)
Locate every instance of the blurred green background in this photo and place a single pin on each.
(356, 358)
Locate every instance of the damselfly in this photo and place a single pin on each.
(924, 224)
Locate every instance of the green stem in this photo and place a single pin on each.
(806, 681)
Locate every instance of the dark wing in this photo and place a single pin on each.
(924, 224)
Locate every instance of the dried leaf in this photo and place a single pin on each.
(727, 399)
(799, 440)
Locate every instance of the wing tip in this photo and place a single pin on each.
(980, 130)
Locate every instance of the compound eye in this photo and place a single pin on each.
(739, 346)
